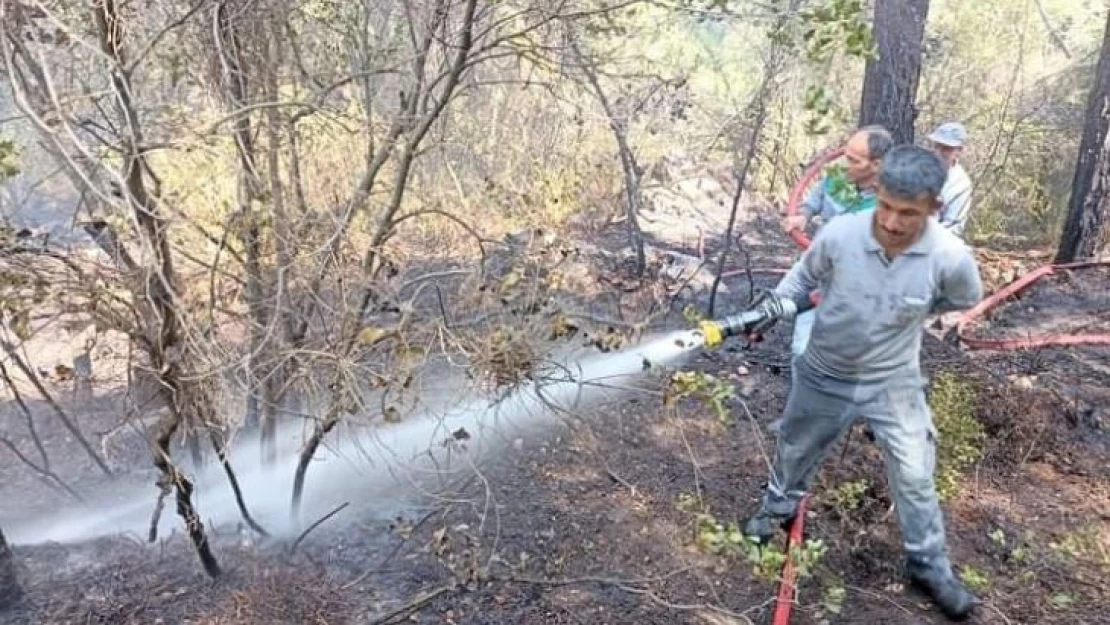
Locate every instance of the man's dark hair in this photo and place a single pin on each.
(911, 171)
(879, 141)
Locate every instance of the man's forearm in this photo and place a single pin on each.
(797, 286)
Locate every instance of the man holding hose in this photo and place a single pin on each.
(881, 273)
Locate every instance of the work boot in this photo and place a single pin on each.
(942, 586)
(762, 526)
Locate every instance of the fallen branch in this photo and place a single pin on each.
(404, 541)
(69, 424)
(880, 596)
(318, 522)
(592, 579)
(687, 607)
(628, 585)
(44, 472)
(221, 451)
(415, 605)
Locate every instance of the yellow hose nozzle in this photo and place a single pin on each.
(712, 333)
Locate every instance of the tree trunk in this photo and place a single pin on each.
(890, 81)
(618, 124)
(10, 591)
(1085, 226)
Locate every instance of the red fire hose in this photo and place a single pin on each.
(785, 599)
(797, 194)
(1027, 342)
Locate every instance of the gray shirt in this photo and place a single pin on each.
(869, 325)
(955, 198)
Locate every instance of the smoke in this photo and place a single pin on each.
(378, 470)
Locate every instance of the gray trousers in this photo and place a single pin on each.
(820, 409)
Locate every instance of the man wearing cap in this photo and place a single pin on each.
(948, 141)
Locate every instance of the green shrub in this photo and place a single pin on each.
(960, 435)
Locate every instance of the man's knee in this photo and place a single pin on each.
(914, 484)
(914, 481)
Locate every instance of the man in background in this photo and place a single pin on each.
(841, 191)
(948, 141)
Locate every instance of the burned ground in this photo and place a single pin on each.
(611, 515)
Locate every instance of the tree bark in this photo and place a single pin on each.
(237, 89)
(10, 592)
(890, 81)
(1085, 228)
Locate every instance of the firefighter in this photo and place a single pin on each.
(880, 273)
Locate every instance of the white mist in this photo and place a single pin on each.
(378, 470)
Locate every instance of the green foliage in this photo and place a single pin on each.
(1083, 543)
(767, 560)
(849, 495)
(978, 581)
(827, 30)
(837, 24)
(1063, 600)
(727, 540)
(832, 599)
(820, 106)
(8, 154)
(842, 189)
(702, 387)
(718, 538)
(692, 315)
(961, 435)
(691, 503)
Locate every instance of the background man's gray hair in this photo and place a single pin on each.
(879, 141)
(911, 171)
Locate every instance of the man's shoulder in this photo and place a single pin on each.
(847, 227)
(854, 222)
(949, 248)
(957, 177)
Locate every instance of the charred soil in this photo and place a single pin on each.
(623, 513)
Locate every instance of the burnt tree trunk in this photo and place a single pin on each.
(10, 592)
(1086, 223)
(890, 81)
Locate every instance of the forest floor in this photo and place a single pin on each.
(611, 517)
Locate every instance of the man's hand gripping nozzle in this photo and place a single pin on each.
(767, 309)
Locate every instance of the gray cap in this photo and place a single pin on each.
(951, 134)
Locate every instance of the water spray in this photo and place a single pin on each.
(365, 465)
